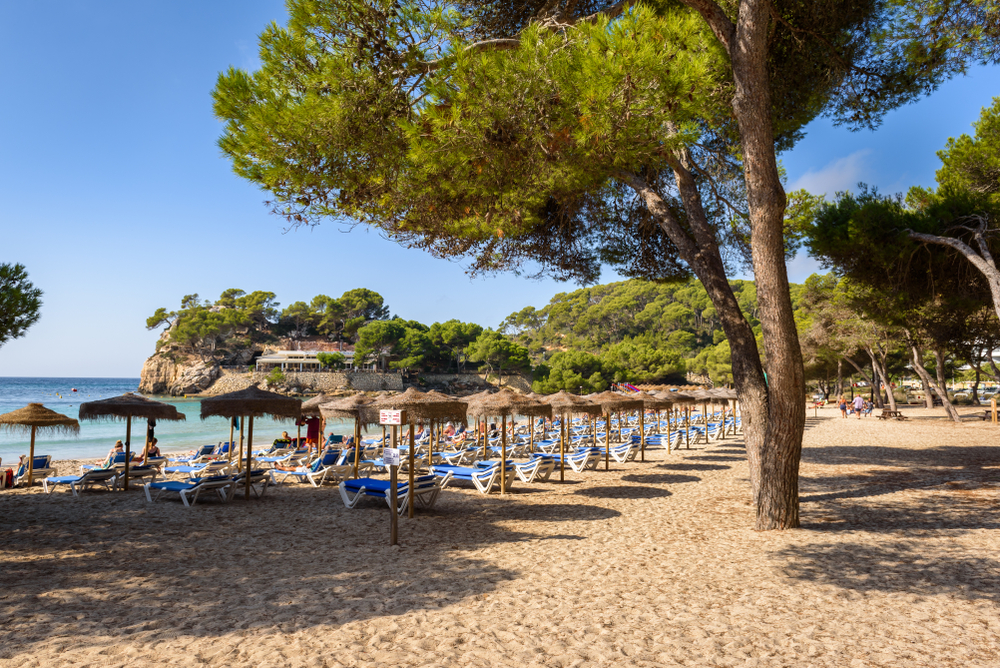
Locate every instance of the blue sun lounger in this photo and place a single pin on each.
(106, 477)
(483, 476)
(426, 490)
(42, 468)
(190, 488)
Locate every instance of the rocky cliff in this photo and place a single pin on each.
(169, 374)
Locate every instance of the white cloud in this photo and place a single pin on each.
(836, 176)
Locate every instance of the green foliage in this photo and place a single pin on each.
(498, 353)
(452, 338)
(332, 360)
(642, 331)
(573, 371)
(276, 377)
(20, 302)
(973, 164)
(376, 339)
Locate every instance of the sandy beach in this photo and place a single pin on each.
(651, 564)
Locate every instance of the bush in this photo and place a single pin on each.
(276, 377)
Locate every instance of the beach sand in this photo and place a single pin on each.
(651, 564)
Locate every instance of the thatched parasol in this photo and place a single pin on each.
(566, 405)
(686, 400)
(611, 402)
(421, 406)
(310, 408)
(651, 402)
(32, 418)
(356, 407)
(251, 402)
(503, 404)
(126, 407)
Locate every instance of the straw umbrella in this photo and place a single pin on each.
(356, 407)
(566, 405)
(32, 418)
(505, 403)
(126, 407)
(652, 402)
(611, 402)
(686, 400)
(420, 406)
(251, 402)
(472, 398)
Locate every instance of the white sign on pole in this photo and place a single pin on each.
(390, 417)
(390, 456)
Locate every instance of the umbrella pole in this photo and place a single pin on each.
(503, 453)
(607, 441)
(239, 461)
(31, 459)
(357, 444)
(687, 427)
(722, 431)
(430, 446)
(486, 439)
(562, 448)
(230, 450)
(298, 435)
(246, 494)
(128, 447)
(668, 427)
(642, 433)
(413, 446)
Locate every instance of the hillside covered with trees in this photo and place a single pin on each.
(631, 331)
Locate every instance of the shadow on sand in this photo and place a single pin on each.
(114, 565)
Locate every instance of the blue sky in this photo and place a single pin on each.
(118, 201)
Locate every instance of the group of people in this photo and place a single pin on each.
(150, 450)
(859, 406)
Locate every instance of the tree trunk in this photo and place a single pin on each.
(840, 378)
(879, 368)
(975, 385)
(926, 377)
(928, 393)
(939, 371)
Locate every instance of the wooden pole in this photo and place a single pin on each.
(239, 462)
(413, 447)
(128, 447)
(563, 430)
(607, 441)
(669, 411)
(503, 453)
(430, 444)
(642, 433)
(687, 427)
(357, 445)
(230, 451)
(249, 455)
(993, 409)
(31, 456)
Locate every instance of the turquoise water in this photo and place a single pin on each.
(96, 438)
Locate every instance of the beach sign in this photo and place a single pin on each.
(390, 456)
(391, 417)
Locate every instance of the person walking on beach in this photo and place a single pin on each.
(859, 405)
(843, 406)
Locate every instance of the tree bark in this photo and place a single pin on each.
(939, 371)
(840, 377)
(879, 367)
(917, 356)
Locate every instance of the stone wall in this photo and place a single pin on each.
(307, 382)
(458, 382)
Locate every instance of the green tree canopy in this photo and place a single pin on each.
(20, 302)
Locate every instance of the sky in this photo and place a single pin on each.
(118, 201)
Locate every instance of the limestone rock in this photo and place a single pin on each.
(194, 378)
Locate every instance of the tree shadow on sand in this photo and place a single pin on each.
(659, 478)
(680, 466)
(624, 492)
(114, 566)
(899, 567)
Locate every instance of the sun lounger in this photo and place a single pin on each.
(42, 469)
(198, 470)
(190, 488)
(581, 460)
(426, 490)
(538, 468)
(290, 458)
(260, 479)
(483, 476)
(203, 453)
(316, 473)
(106, 477)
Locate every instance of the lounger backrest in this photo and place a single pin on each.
(206, 450)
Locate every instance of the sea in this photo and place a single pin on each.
(64, 395)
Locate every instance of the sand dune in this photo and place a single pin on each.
(651, 564)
